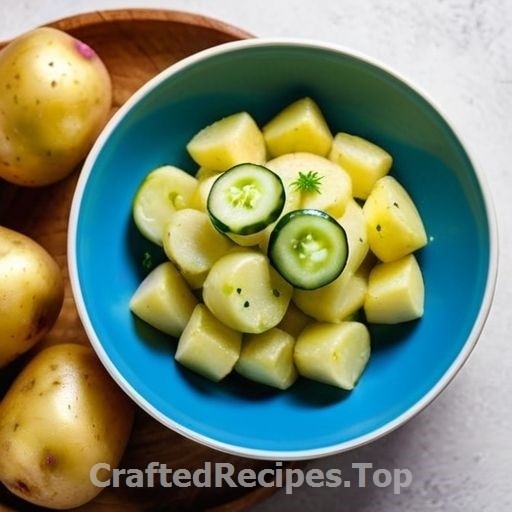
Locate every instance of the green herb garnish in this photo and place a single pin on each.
(147, 261)
(308, 182)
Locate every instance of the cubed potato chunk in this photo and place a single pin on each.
(294, 320)
(267, 358)
(164, 300)
(354, 224)
(301, 126)
(249, 240)
(395, 292)
(199, 199)
(204, 173)
(232, 140)
(335, 301)
(335, 354)
(162, 192)
(334, 189)
(364, 161)
(394, 225)
(207, 346)
(245, 292)
(193, 244)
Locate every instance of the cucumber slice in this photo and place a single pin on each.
(245, 199)
(308, 248)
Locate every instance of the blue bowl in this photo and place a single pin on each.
(410, 364)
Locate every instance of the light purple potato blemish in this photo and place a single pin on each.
(84, 49)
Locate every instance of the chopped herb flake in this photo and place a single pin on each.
(147, 261)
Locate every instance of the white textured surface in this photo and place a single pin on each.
(459, 449)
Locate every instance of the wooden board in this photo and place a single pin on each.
(135, 45)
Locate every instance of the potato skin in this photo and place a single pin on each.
(56, 97)
(31, 293)
(62, 414)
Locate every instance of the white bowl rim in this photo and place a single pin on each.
(244, 451)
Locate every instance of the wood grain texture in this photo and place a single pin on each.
(135, 45)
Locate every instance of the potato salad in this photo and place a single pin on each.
(282, 246)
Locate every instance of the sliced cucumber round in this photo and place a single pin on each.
(308, 248)
(245, 199)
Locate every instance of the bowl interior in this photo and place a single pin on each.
(409, 363)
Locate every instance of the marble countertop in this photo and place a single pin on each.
(458, 450)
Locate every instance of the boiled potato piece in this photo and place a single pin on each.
(232, 140)
(354, 224)
(335, 354)
(249, 240)
(284, 167)
(267, 358)
(301, 126)
(203, 173)
(394, 225)
(193, 244)
(245, 292)
(301, 171)
(164, 300)
(395, 292)
(31, 293)
(207, 346)
(337, 300)
(199, 199)
(162, 192)
(364, 161)
(56, 97)
(294, 320)
(62, 415)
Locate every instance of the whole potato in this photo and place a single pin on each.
(55, 97)
(62, 415)
(31, 293)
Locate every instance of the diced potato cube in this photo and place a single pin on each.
(232, 140)
(334, 186)
(300, 126)
(294, 320)
(162, 192)
(248, 240)
(204, 173)
(164, 300)
(334, 189)
(199, 199)
(335, 354)
(245, 292)
(364, 161)
(284, 167)
(394, 225)
(335, 301)
(395, 292)
(207, 346)
(268, 358)
(193, 244)
(354, 224)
